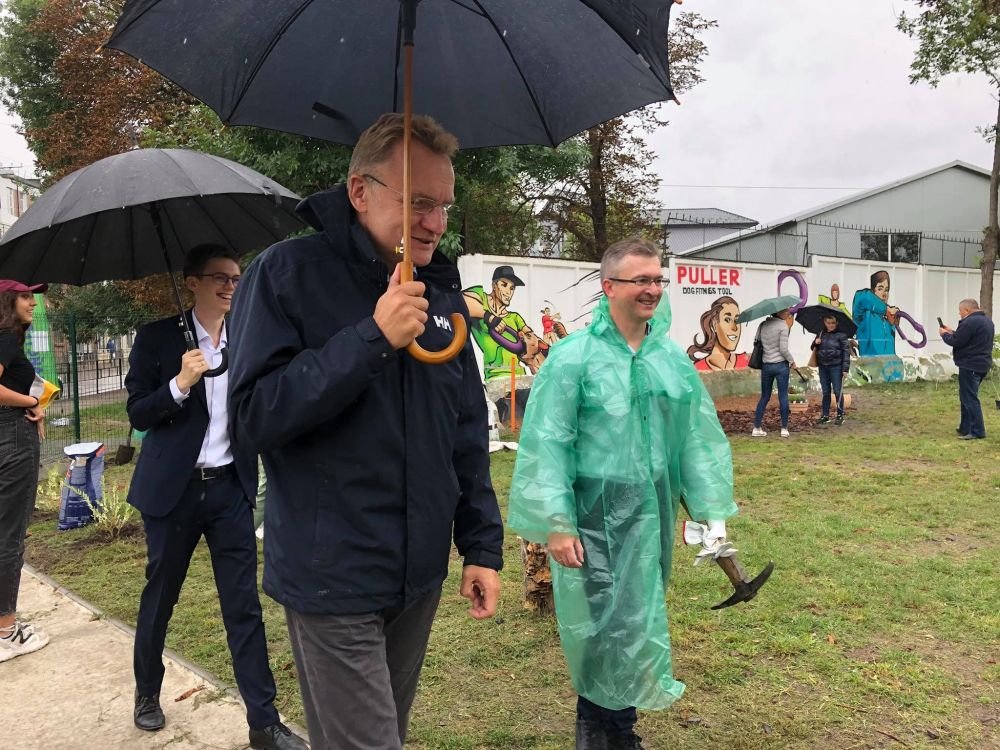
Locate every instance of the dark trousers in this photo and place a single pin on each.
(622, 721)
(358, 673)
(968, 396)
(831, 379)
(771, 373)
(217, 509)
(18, 487)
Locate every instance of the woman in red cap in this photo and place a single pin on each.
(21, 427)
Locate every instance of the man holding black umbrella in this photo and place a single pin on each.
(375, 461)
(192, 480)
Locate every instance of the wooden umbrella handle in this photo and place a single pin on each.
(406, 265)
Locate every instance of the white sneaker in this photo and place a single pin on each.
(758, 432)
(784, 432)
(24, 640)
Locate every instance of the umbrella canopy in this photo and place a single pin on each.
(769, 306)
(811, 318)
(493, 72)
(137, 213)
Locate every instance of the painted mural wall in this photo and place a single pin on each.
(894, 305)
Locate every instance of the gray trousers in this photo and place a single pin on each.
(358, 673)
(18, 486)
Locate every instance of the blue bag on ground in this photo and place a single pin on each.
(83, 483)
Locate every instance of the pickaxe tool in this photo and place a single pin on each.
(746, 589)
(725, 555)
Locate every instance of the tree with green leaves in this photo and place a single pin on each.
(611, 189)
(963, 36)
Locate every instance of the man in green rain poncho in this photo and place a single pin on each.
(618, 427)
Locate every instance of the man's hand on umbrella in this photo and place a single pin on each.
(401, 313)
(566, 549)
(193, 366)
(481, 586)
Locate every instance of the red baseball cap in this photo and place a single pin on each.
(9, 285)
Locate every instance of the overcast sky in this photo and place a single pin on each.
(798, 93)
(809, 93)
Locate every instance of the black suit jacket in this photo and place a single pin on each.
(174, 433)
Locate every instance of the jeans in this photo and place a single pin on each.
(831, 379)
(769, 373)
(968, 396)
(18, 487)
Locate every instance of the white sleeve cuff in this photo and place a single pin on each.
(175, 391)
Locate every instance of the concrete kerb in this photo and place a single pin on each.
(62, 678)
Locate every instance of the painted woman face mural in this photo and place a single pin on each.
(720, 333)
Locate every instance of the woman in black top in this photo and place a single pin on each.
(21, 428)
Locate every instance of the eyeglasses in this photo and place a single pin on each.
(643, 281)
(220, 279)
(420, 204)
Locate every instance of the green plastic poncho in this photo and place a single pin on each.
(610, 442)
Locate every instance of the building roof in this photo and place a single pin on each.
(678, 217)
(809, 213)
(31, 182)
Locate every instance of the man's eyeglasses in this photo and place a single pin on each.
(220, 279)
(420, 204)
(643, 281)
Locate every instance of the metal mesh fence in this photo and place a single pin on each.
(90, 369)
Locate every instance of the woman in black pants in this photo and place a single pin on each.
(21, 427)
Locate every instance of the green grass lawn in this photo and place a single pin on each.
(880, 627)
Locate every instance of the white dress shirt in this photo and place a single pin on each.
(215, 448)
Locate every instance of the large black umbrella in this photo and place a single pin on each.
(136, 214)
(811, 318)
(494, 72)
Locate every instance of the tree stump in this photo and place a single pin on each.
(537, 578)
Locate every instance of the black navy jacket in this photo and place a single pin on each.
(174, 432)
(833, 349)
(972, 342)
(373, 460)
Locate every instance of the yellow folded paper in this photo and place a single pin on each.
(44, 391)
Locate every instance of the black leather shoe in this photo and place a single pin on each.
(148, 715)
(276, 737)
(971, 437)
(590, 735)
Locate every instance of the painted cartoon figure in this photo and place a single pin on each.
(721, 335)
(553, 328)
(502, 334)
(834, 300)
(875, 318)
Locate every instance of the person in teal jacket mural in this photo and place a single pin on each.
(875, 318)
(618, 428)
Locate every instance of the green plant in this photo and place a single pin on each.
(113, 513)
(49, 490)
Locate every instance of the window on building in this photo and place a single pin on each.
(896, 247)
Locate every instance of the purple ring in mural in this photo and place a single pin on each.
(800, 282)
(518, 347)
(916, 327)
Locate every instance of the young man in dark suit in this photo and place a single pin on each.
(194, 480)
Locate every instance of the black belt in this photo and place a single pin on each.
(213, 472)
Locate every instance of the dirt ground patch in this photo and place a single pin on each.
(736, 414)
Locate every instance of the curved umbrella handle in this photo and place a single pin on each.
(223, 365)
(191, 346)
(457, 323)
(916, 327)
